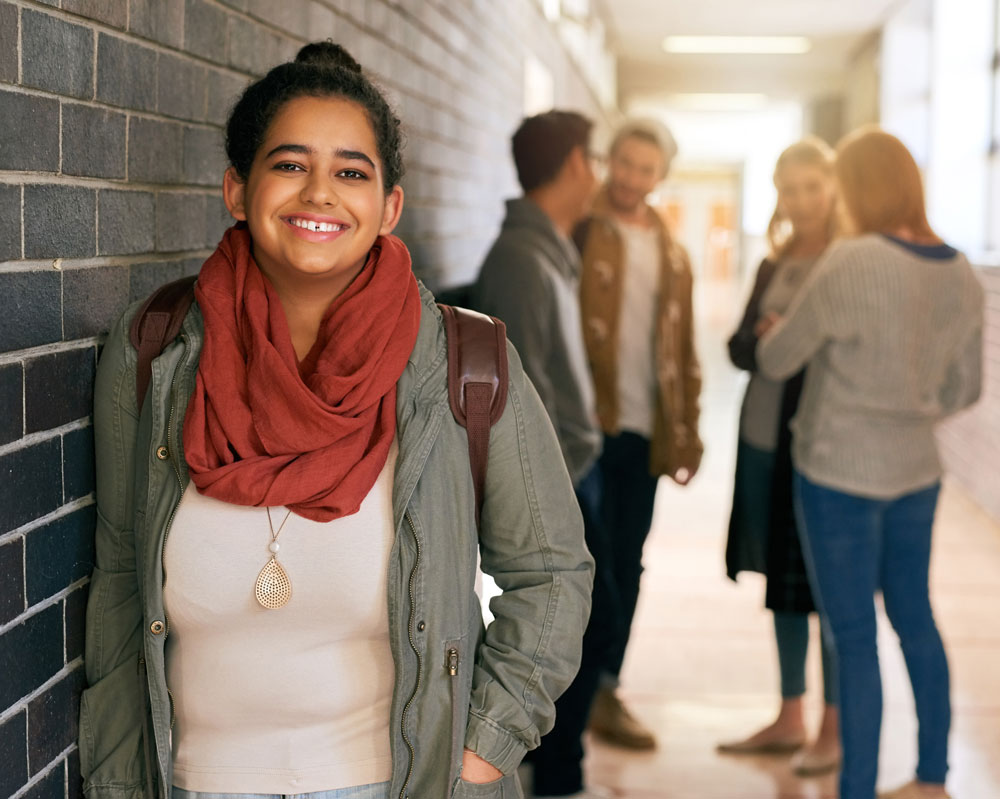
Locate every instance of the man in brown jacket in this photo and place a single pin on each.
(635, 297)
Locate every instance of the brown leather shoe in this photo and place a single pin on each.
(611, 721)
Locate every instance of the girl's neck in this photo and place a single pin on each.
(305, 303)
(807, 246)
(907, 233)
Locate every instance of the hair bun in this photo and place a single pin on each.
(327, 54)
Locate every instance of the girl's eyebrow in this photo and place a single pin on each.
(301, 149)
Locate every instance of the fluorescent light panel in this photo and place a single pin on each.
(780, 45)
(719, 101)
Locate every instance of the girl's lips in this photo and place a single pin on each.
(314, 235)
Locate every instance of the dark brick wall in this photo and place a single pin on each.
(970, 441)
(110, 166)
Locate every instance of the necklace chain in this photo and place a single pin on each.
(274, 535)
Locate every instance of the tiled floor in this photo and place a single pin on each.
(701, 665)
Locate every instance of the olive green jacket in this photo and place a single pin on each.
(456, 684)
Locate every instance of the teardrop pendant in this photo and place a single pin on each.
(273, 588)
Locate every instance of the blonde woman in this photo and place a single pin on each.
(762, 531)
(890, 325)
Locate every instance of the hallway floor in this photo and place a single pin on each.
(701, 666)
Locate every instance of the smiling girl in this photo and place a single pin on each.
(284, 598)
(762, 529)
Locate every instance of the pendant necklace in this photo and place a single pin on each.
(273, 589)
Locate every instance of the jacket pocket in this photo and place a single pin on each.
(507, 787)
(111, 718)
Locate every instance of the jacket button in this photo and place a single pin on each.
(162, 453)
(421, 626)
(156, 628)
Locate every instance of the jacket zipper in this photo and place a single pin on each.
(173, 512)
(144, 705)
(413, 646)
(451, 663)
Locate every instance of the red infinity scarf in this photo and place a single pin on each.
(263, 429)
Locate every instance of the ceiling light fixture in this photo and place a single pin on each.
(756, 45)
(718, 101)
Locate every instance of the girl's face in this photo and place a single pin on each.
(313, 200)
(805, 197)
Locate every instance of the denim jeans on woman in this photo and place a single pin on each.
(853, 547)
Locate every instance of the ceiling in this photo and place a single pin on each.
(838, 28)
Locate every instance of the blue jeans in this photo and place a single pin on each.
(853, 546)
(378, 790)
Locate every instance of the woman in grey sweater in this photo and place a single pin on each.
(890, 325)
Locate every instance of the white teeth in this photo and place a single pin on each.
(316, 227)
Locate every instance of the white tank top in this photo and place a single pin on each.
(290, 700)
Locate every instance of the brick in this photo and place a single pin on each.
(76, 622)
(126, 74)
(56, 55)
(180, 88)
(13, 752)
(53, 722)
(30, 654)
(59, 553)
(78, 463)
(240, 5)
(29, 133)
(180, 221)
(323, 23)
(205, 30)
(8, 43)
(160, 20)
(155, 152)
(32, 309)
(113, 12)
(217, 219)
(93, 142)
(11, 581)
(58, 221)
(255, 49)
(51, 786)
(74, 782)
(124, 222)
(204, 159)
(11, 401)
(58, 388)
(93, 297)
(289, 15)
(224, 89)
(145, 278)
(10, 222)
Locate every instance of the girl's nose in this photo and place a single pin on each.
(319, 190)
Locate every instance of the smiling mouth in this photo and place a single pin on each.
(316, 227)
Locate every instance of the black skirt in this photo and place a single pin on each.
(763, 534)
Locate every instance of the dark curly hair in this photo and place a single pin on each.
(321, 69)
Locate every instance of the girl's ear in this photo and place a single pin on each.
(392, 210)
(234, 194)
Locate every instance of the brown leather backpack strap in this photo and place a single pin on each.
(477, 383)
(158, 322)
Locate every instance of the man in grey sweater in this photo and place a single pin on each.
(530, 280)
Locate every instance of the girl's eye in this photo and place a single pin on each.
(286, 166)
(353, 174)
